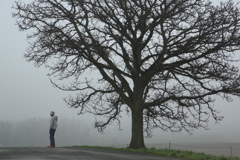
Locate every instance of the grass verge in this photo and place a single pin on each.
(170, 153)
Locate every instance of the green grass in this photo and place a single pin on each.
(170, 153)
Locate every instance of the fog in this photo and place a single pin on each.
(27, 97)
(32, 132)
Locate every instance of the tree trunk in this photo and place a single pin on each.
(137, 140)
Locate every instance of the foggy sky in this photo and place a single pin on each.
(26, 92)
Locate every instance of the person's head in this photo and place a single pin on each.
(52, 113)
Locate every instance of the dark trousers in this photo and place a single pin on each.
(52, 140)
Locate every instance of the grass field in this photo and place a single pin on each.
(171, 153)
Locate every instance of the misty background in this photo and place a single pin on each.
(27, 97)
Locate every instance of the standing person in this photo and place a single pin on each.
(52, 130)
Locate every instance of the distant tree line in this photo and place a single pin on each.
(34, 132)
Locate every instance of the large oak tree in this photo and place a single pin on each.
(161, 61)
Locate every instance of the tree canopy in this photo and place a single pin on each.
(161, 61)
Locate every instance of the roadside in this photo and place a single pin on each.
(72, 153)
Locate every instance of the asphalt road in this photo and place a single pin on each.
(63, 153)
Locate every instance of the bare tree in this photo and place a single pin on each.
(161, 61)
